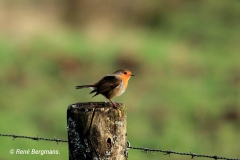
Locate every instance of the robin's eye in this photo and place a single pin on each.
(125, 72)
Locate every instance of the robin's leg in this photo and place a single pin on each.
(114, 104)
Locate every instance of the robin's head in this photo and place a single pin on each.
(124, 73)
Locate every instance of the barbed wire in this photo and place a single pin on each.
(193, 155)
(146, 150)
(33, 138)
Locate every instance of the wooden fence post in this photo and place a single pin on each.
(97, 131)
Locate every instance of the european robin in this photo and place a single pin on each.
(111, 85)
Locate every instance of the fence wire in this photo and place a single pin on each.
(33, 138)
(145, 150)
(193, 155)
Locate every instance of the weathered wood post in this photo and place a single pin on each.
(97, 131)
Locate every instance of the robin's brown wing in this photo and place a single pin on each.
(106, 84)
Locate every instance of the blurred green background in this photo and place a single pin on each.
(185, 54)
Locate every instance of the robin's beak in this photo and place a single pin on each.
(132, 74)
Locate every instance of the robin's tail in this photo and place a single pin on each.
(84, 86)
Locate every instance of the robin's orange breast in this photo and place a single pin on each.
(125, 80)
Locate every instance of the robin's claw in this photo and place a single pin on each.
(114, 104)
